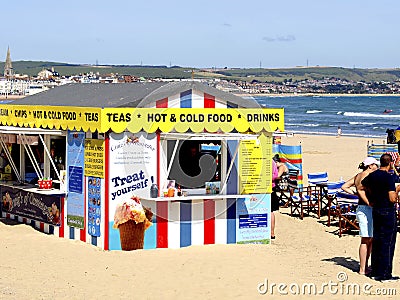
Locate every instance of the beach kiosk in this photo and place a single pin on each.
(197, 157)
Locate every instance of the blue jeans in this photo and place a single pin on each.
(385, 227)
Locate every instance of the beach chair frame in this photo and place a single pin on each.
(304, 200)
(345, 210)
(286, 183)
(328, 194)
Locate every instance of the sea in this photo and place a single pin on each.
(360, 116)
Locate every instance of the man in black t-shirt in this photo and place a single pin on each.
(382, 193)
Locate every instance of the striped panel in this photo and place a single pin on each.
(51, 229)
(376, 150)
(163, 103)
(209, 213)
(193, 99)
(40, 226)
(220, 104)
(221, 223)
(197, 100)
(162, 224)
(174, 225)
(185, 223)
(71, 233)
(84, 234)
(186, 99)
(231, 221)
(233, 180)
(209, 101)
(292, 156)
(231, 105)
(106, 193)
(174, 101)
(197, 223)
(61, 229)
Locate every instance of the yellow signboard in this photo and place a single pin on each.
(94, 158)
(53, 117)
(144, 119)
(194, 119)
(255, 159)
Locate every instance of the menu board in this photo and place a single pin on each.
(253, 224)
(94, 158)
(255, 165)
(75, 198)
(94, 206)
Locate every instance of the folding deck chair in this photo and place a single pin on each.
(317, 178)
(316, 184)
(289, 181)
(328, 195)
(345, 209)
(304, 200)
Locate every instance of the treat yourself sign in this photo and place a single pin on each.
(132, 163)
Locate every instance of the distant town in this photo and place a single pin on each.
(13, 85)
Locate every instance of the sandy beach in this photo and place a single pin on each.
(306, 252)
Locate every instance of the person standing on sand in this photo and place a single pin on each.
(274, 198)
(383, 194)
(339, 131)
(278, 169)
(364, 210)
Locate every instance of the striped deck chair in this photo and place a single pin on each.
(317, 178)
(287, 182)
(345, 209)
(304, 200)
(328, 197)
(317, 184)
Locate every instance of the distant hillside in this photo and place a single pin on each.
(301, 73)
(32, 68)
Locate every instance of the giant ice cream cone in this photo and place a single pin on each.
(132, 219)
(131, 235)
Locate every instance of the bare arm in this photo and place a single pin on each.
(362, 194)
(282, 169)
(361, 189)
(393, 196)
(347, 186)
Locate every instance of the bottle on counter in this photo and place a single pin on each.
(153, 188)
(179, 193)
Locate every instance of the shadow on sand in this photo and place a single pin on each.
(346, 262)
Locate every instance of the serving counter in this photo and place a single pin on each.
(28, 201)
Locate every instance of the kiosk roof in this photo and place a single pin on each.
(114, 95)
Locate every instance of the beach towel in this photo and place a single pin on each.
(394, 155)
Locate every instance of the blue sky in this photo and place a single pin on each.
(205, 33)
